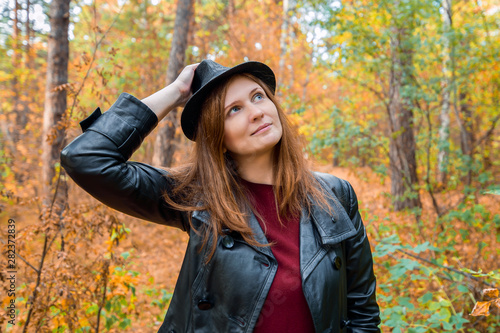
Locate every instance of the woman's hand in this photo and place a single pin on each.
(174, 95)
(183, 83)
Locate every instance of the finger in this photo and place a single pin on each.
(193, 66)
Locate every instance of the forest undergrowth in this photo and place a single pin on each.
(383, 90)
(430, 271)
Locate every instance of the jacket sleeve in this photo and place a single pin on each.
(362, 308)
(97, 161)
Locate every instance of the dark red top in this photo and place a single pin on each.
(285, 309)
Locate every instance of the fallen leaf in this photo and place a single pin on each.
(490, 292)
(481, 309)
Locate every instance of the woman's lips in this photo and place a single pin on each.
(262, 128)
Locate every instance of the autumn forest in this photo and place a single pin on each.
(401, 98)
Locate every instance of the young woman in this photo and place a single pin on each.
(273, 247)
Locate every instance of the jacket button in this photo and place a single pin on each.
(333, 220)
(204, 305)
(338, 262)
(227, 242)
(344, 323)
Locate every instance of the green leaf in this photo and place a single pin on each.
(445, 314)
(458, 320)
(109, 322)
(133, 289)
(125, 323)
(417, 329)
(447, 326)
(424, 247)
(108, 306)
(92, 309)
(496, 192)
(425, 298)
(387, 245)
(406, 302)
(445, 303)
(434, 306)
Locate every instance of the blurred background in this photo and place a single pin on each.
(401, 98)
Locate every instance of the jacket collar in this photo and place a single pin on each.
(332, 228)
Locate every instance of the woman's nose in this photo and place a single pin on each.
(256, 113)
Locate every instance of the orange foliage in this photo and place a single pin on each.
(100, 260)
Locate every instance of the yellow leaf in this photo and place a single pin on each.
(490, 292)
(481, 309)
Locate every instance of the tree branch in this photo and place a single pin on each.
(470, 276)
(38, 281)
(19, 256)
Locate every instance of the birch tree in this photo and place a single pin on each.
(444, 117)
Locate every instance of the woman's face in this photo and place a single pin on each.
(251, 125)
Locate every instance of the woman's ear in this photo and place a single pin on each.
(224, 150)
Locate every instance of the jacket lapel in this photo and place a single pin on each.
(332, 228)
(317, 231)
(259, 236)
(336, 227)
(322, 230)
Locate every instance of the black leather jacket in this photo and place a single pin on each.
(228, 293)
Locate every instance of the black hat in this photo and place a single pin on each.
(206, 76)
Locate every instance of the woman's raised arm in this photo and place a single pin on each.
(97, 160)
(173, 95)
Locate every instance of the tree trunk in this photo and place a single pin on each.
(29, 86)
(466, 135)
(283, 37)
(444, 117)
(29, 58)
(335, 159)
(488, 146)
(467, 138)
(291, 38)
(55, 104)
(306, 81)
(402, 145)
(165, 139)
(16, 103)
(231, 10)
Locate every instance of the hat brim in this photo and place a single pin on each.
(191, 113)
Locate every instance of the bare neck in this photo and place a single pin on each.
(256, 169)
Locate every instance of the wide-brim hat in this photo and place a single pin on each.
(207, 76)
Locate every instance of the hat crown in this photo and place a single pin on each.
(205, 72)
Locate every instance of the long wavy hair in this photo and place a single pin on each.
(210, 180)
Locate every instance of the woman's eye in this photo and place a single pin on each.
(258, 96)
(234, 108)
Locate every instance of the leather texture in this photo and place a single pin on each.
(228, 293)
